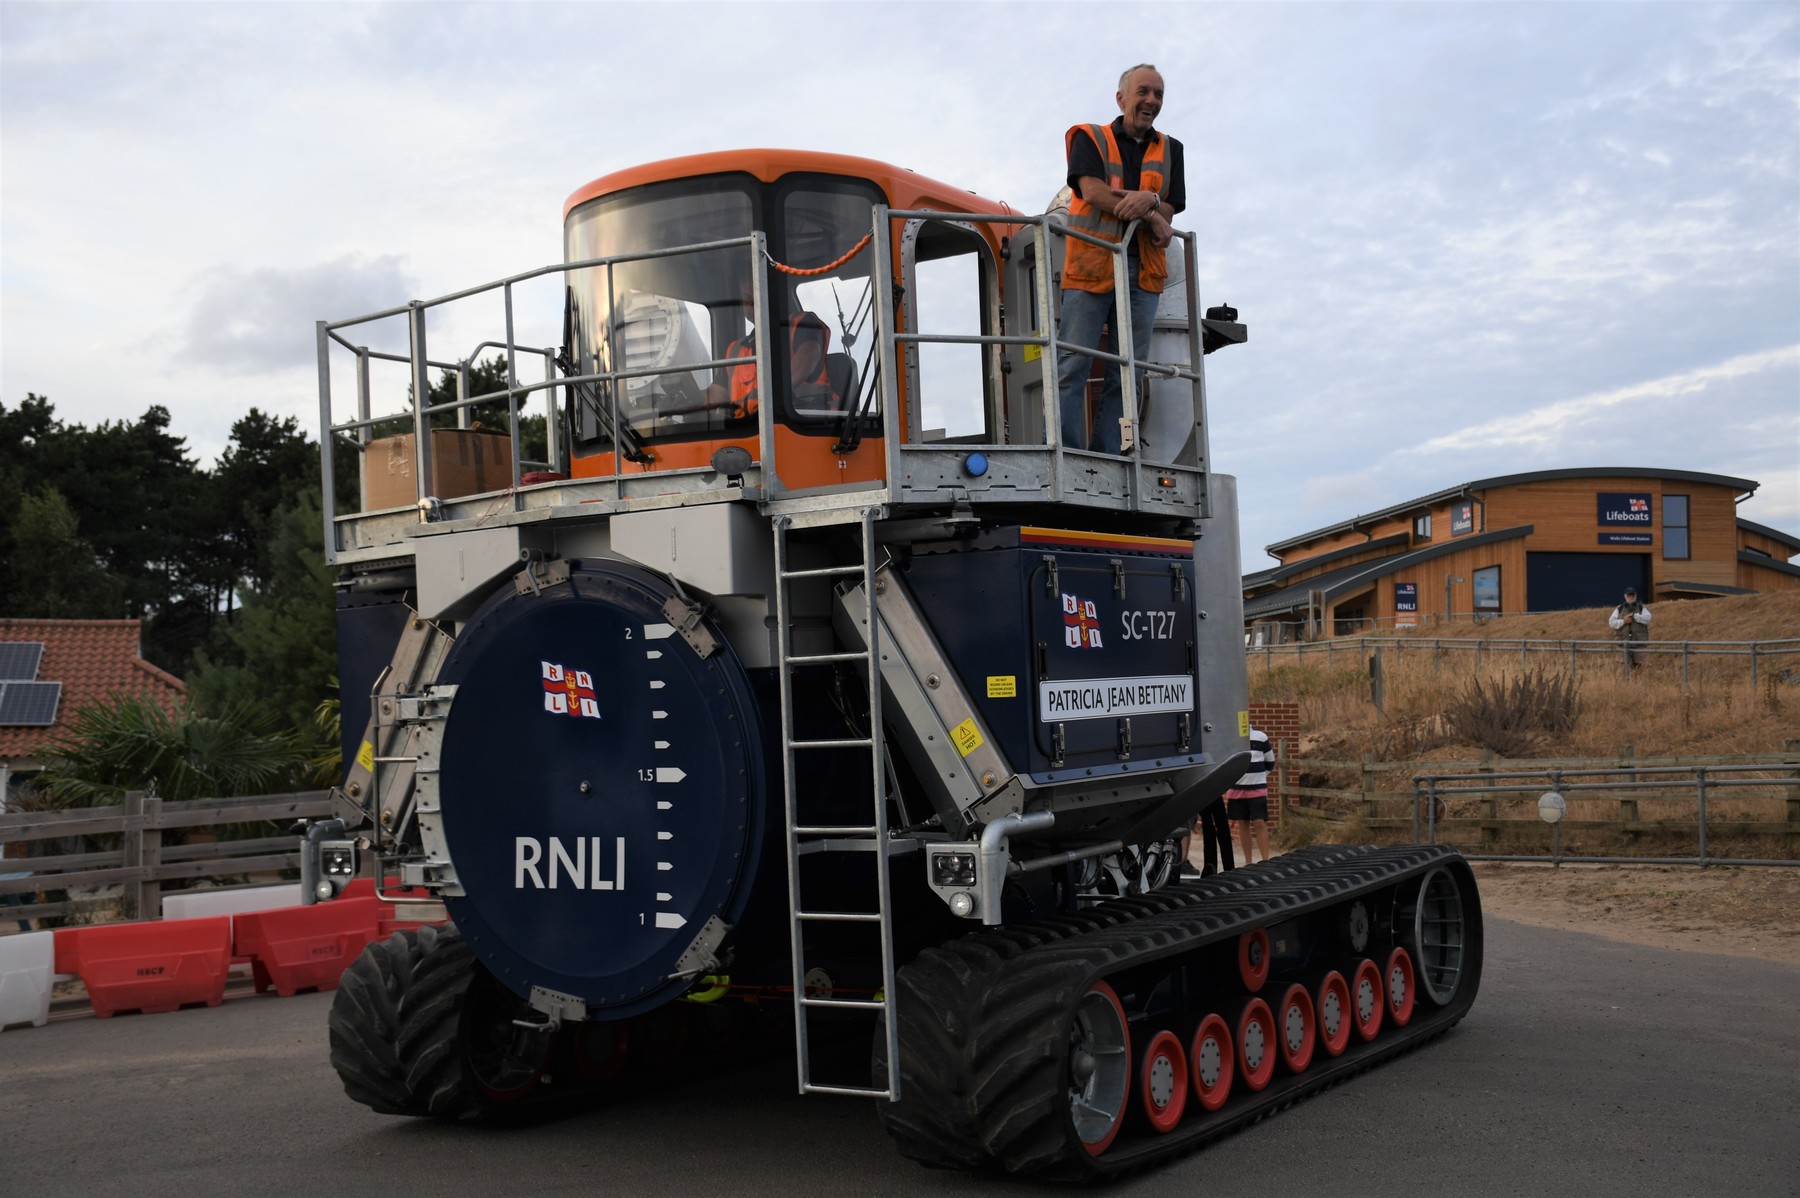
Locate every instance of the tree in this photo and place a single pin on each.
(139, 500)
(266, 464)
(53, 572)
(22, 433)
(278, 652)
(175, 543)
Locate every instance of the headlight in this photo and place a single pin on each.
(953, 869)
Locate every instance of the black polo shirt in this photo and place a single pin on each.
(1085, 159)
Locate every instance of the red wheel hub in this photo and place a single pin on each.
(1210, 1060)
(1366, 999)
(1296, 1028)
(1257, 1043)
(1253, 958)
(1163, 1081)
(1401, 990)
(1335, 1013)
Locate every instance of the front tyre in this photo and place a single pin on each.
(418, 1028)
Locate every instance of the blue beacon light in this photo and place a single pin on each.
(976, 464)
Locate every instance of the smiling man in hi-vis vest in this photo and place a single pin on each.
(1118, 173)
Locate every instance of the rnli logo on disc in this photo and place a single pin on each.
(569, 692)
(1081, 622)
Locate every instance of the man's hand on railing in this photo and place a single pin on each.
(1161, 231)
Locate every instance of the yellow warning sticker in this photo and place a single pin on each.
(1033, 352)
(365, 756)
(967, 737)
(1003, 686)
(1243, 723)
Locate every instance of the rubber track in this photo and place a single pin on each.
(984, 1020)
(394, 1025)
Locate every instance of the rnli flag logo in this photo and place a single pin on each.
(569, 692)
(1639, 505)
(1081, 622)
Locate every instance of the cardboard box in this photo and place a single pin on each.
(463, 462)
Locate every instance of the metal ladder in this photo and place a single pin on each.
(805, 839)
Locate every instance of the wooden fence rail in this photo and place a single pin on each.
(142, 862)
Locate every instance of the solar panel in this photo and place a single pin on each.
(29, 704)
(19, 660)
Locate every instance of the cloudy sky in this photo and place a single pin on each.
(1468, 239)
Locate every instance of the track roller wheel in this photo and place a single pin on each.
(1099, 1068)
(1298, 1029)
(1402, 991)
(1332, 1005)
(1253, 958)
(1210, 1062)
(1366, 999)
(1257, 1043)
(1163, 1081)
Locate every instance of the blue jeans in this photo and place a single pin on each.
(1084, 316)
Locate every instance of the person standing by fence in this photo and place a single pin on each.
(1631, 620)
(1247, 803)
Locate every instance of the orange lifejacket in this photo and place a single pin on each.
(1088, 267)
(743, 378)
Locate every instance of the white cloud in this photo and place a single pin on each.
(257, 320)
(1457, 232)
(1549, 426)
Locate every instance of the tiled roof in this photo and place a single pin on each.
(93, 659)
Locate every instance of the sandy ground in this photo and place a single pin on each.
(1742, 912)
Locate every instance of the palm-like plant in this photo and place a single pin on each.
(126, 743)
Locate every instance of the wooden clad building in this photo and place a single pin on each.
(1548, 540)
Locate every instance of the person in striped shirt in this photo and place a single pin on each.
(1247, 803)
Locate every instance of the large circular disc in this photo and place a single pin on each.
(1099, 1068)
(600, 786)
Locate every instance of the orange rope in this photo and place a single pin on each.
(856, 249)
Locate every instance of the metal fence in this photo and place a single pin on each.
(1638, 805)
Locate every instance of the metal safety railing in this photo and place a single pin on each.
(419, 362)
(896, 330)
(1130, 358)
(1692, 792)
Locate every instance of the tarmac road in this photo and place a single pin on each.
(1587, 1067)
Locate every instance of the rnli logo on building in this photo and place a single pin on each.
(569, 692)
(1624, 510)
(1081, 622)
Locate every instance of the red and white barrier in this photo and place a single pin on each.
(183, 959)
(152, 967)
(27, 963)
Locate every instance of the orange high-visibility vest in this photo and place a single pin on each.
(1088, 267)
(743, 378)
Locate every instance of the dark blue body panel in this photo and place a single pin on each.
(1098, 642)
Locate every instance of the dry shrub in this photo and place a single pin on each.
(1512, 714)
(1306, 680)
